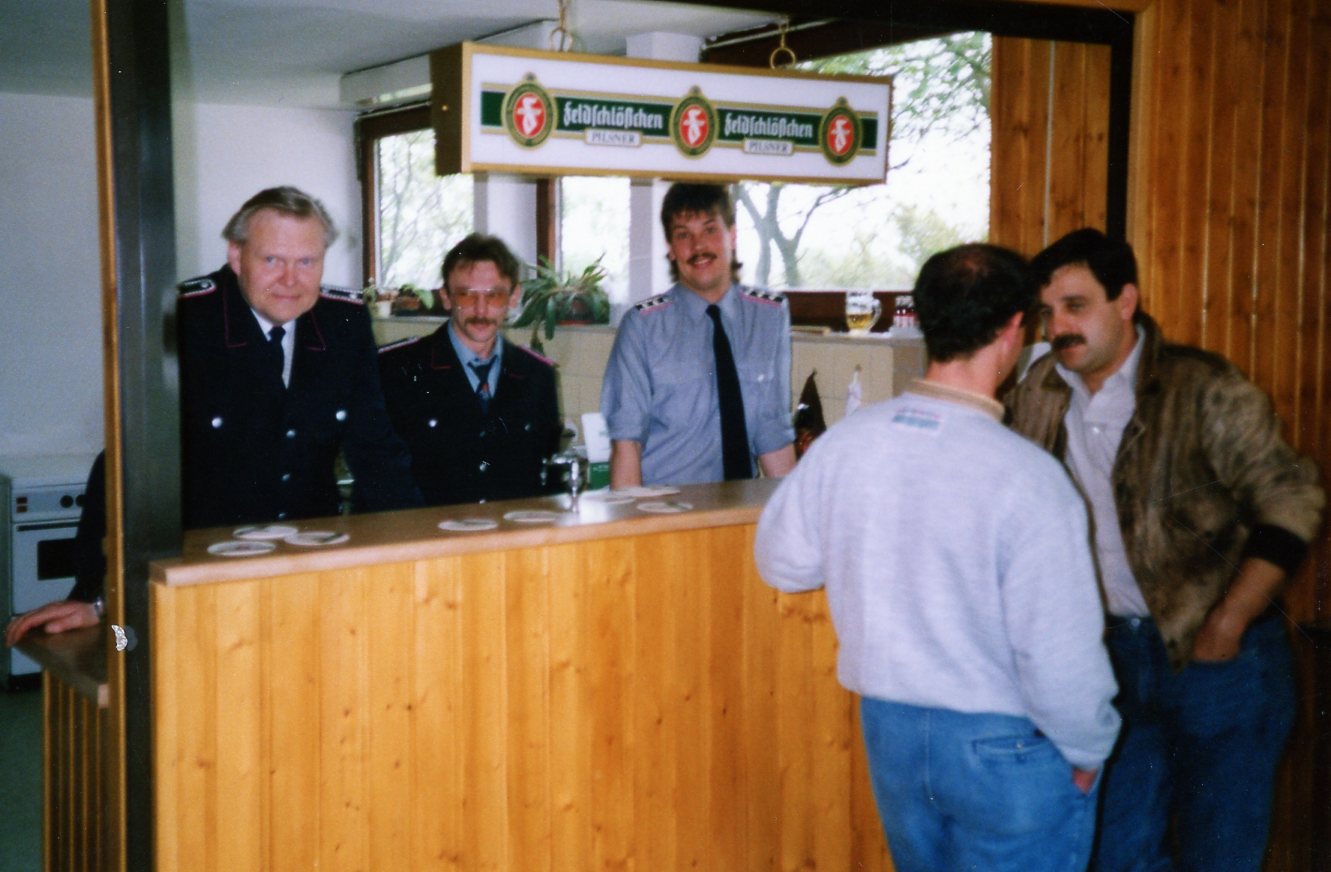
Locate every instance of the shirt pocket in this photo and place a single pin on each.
(681, 395)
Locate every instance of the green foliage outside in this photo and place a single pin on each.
(421, 215)
(878, 236)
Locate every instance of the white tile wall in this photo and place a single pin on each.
(886, 365)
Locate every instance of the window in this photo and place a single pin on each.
(937, 189)
(594, 222)
(412, 217)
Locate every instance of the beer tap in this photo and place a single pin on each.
(573, 461)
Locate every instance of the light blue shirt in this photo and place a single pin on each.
(660, 384)
(467, 357)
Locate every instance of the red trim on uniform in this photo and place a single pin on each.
(543, 359)
(761, 300)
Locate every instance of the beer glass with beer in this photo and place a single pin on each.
(862, 312)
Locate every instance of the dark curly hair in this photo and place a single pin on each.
(1111, 261)
(966, 294)
(478, 247)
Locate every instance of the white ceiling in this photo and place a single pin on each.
(292, 52)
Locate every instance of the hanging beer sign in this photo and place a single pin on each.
(556, 113)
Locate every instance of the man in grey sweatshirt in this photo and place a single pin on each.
(958, 572)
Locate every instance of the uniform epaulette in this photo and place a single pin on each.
(763, 296)
(198, 287)
(344, 295)
(653, 303)
(401, 343)
(541, 357)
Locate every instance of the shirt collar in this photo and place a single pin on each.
(938, 391)
(696, 306)
(288, 337)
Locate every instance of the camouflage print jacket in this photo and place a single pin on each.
(1202, 478)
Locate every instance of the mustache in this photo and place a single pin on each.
(481, 322)
(1067, 340)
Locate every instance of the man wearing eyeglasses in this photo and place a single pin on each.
(479, 414)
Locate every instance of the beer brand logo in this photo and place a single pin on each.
(839, 133)
(529, 113)
(693, 124)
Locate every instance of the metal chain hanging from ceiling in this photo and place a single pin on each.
(561, 38)
(781, 47)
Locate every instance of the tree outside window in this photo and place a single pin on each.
(937, 190)
(420, 215)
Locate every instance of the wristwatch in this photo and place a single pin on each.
(99, 607)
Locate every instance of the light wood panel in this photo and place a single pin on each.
(1050, 115)
(75, 816)
(631, 702)
(113, 721)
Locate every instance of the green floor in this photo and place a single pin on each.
(20, 780)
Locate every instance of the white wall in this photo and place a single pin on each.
(50, 323)
(50, 309)
(224, 154)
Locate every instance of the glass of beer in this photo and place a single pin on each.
(862, 312)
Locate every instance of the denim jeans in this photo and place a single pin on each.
(1200, 745)
(984, 792)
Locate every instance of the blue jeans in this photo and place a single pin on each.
(981, 792)
(1201, 746)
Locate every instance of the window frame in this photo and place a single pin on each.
(373, 126)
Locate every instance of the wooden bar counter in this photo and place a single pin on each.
(74, 709)
(613, 690)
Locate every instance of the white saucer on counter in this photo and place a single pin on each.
(664, 507)
(241, 548)
(316, 538)
(468, 525)
(531, 516)
(264, 532)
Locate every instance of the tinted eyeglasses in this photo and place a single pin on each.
(472, 296)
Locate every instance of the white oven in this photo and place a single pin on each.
(42, 501)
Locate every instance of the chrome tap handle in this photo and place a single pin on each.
(572, 460)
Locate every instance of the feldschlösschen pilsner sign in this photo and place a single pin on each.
(557, 113)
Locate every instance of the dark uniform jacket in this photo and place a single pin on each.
(256, 451)
(458, 454)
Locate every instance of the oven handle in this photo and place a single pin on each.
(49, 525)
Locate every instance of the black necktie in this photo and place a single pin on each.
(735, 456)
(275, 352)
(482, 371)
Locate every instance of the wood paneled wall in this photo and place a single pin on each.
(632, 703)
(1050, 110)
(75, 814)
(1229, 192)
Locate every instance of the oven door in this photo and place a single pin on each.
(41, 570)
(43, 567)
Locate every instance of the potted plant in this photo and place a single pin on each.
(380, 300)
(553, 297)
(413, 300)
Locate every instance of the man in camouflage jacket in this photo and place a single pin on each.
(1201, 512)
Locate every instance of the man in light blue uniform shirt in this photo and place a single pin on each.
(664, 392)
